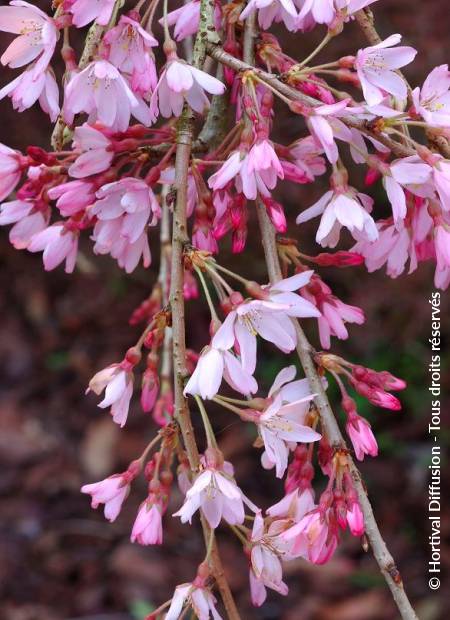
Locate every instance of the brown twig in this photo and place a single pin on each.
(327, 417)
(331, 428)
(222, 56)
(179, 239)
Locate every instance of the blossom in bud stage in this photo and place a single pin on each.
(73, 196)
(103, 93)
(150, 389)
(269, 317)
(361, 436)
(180, 82)
(97, 152)
(27, 220)
(117, 381)
(355, 519)
(214, 364)
(37, 38)
(265, 568)
(11, 165)
(26, 89)
(129, 49)
(376, 66)
(272, 10)
(85, 11)
(342, 208)
(216, 493)
(432, 101)
(196, 596)
(112, 492)
(59, 244)
(147, 529)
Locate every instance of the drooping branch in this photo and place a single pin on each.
(331, 428)
(239, 65)
(185, 132)
(327, 417)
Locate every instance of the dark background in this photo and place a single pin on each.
(59, 559)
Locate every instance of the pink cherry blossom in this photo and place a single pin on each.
(294, 505)
(265, 568)
(408, 172)
(314, 537)
(269, 317)
(11, 165)
(59, 244)
(73, 196)
(349, 208)
(112, 492)
(29, 87)
(441, 179)
(27, 220)
(128, 48)
(186, 19)
(334, 312)
(361, 436)
(147, 528)
(272, 10)
(196, 596)
(355, 519)
(180, 82)
(255, 171)
(442, 244)
(376, 66)
(85, 11)
(117, 381)
(215, 364)
(103, 93)
(97, 152)
(124, 210)
(325, 125)
(325, 11)
(432, 101)
(305, 162)
(37, 36)
(282, 424)
(216, 493)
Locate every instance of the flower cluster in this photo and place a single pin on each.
(126, 163)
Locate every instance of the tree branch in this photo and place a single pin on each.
(185, 131)
(238, 65)
(331, 428)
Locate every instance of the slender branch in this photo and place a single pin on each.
(330, 426)
(271, 80)
(179, 238)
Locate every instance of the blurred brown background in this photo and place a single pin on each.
(59, 559)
